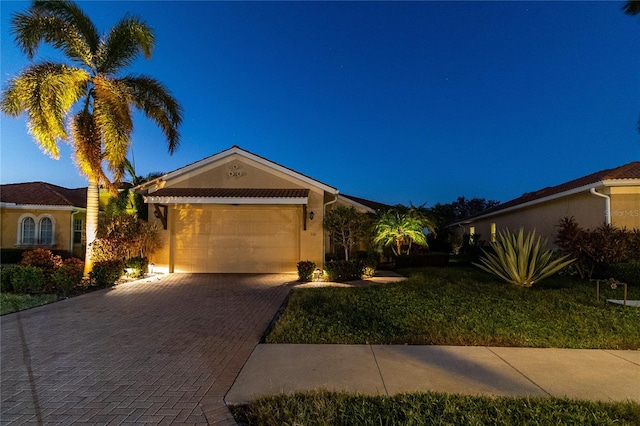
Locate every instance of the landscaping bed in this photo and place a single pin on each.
(461, 306)
(332, 408)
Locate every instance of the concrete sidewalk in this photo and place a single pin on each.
(606, 375)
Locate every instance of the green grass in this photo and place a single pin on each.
(461, 306)
(331, 408)
(12, 302)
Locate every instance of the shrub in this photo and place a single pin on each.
(369, 266)
(106, 273)
(138, 266)
(6, 276)
(626, 272)
(107, 249)
(343, 270)
(595, 250)
(521, 260)
(41, 258)
(28, 279)
(68, 276)
(306, 268)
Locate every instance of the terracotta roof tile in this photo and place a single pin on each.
(231, 193)
(628, 171)
(42, 193)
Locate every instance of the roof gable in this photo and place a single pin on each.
(42, 194)
(233, 152)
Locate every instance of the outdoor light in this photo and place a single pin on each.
(311, 215)
(151, 265)
(317, 274)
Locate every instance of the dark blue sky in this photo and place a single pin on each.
(397, 102)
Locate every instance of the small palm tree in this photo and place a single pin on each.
(87, 96)
(396, 229)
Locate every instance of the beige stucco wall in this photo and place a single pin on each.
(239, 172)
(587, 209)
(10, 217)
(625, 207)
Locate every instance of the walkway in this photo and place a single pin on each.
(155, 352)
(592, 374)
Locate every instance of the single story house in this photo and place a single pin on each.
(609, 196)
(236, 211)
(39, 214)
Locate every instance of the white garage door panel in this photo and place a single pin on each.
(239, 239)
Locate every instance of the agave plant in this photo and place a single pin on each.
(521, 260)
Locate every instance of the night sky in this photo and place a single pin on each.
(416, 102)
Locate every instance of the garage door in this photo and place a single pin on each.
(256, 239)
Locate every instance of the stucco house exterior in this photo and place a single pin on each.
(608, 196)
(237, 212)
(39, 214)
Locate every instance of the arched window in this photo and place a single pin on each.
(46, 231)
(28, 231)
(33, 231)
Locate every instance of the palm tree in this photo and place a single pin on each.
(87, 96)
(398, 229)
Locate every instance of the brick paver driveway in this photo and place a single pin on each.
(163, 352)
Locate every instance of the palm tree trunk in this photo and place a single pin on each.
(93, 200)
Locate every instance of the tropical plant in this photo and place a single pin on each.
(521, 260)
(100, 126)
(346, 227)
(596, 249)
(396, 229)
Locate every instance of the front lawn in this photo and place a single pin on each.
(331, 408)
(461, 306)
(13, 302)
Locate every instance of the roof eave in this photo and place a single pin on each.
(40, 207)
(548, 198)
(226, 200)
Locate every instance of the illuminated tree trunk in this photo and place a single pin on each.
(93, 200)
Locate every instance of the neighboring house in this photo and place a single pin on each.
(39, 214)
(238, 212)
(609, 196)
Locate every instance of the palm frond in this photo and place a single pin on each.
(59, 23)
(126, 40)
(156, 102)
(46, 92)
(113, 117)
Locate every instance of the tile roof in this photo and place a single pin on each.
(44, 194)
(628, 171)
(374, 205)
(231, 193)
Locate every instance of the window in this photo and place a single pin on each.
(77, 231)
(28, 231)
(493, 233)
(46, 231)
(34, 230)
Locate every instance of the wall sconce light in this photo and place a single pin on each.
(311, 215)
(160, 211)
